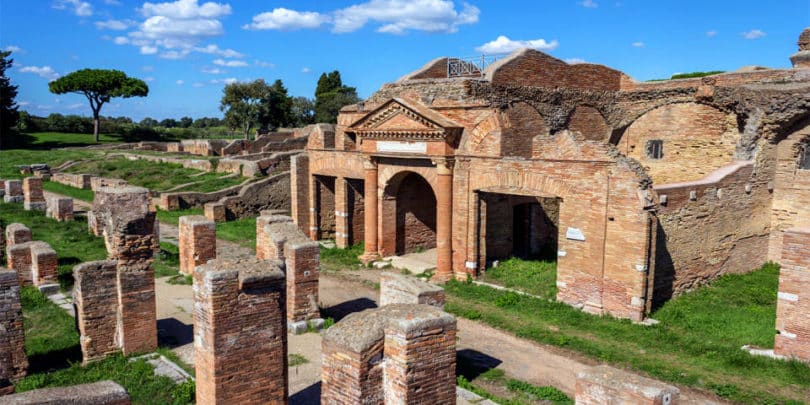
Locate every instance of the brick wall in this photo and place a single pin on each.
(74, 180)
(793, 303)
(606, 385)
(32, 193)
(399, 289)
(590, 123)
(13, 361)
(395, 354)
(533, 68)
(44, 264)
(96, 299)
(197, 242)
(791, 190)
(18, 258)
(13, 191)
(60, 208)
(325, 194)
(240, 335)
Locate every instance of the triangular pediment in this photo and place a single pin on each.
(397, 118)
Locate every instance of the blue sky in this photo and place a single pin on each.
(188, 49)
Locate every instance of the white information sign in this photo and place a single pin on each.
(401, 147)
(574, 234)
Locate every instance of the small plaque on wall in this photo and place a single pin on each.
(574, 234)
(401, 147)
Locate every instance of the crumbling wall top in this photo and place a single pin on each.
(250, 272)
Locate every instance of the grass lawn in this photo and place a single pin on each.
(52, 345)
(71, 240)
(155, 176)
(77, 193)
(697, 342)
(10, 159)
(241, 231)
(535, 277)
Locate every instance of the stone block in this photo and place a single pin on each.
(13, 191)
(240, 336)
(793, 299)
(215, 212)
(33, 198)
(19, 259)
(60, 208)
(401, 289)
(44, 264)
(17, 233)
(14, 363)
(606, 385)
(98, 393)
(197, 242)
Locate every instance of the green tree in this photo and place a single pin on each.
(8, 92)
(302, 112)
(252, 104)
(148, 122)
(331, 95)
(185, 122)
(99, 86)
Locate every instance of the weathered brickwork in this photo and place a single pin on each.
(791, 189)
(44, 264)
(398, 354)
(33, 198)
(197, 242)
(13, 361)
(215, 211)
(400, 289)
(793, 301)
(98, 393)
(96, 299)
(13, 191)
(240, 334)
(606, 385)
(74, 180)
(17, 233)
(280, 239)
(60, 208)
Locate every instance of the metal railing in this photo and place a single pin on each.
(469, 66)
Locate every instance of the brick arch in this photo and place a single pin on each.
(522, 122)
(590, 122)
(408, 214)
(526, 182)
(387, 174)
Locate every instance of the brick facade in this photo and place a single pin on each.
(13, 361)
(399, 354)
(793, 303)
(33, 198)
(13, 191)
(60, 208)
(606, 385)
(240, 334)
(400, 289)
(197, 242)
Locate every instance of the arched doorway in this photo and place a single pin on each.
(408, 215)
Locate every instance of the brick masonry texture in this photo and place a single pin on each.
(240, 332)
(96, 299)
(793, 301)
(400, 289)
(13, 361)
(33, 198)
(198, 242)
(74, 180)
(60, 208)
(215, 211)
(606, 385)
(44, 264)
(280, 239)
(17, 233)
(98, 393)
(13, 191)
(398, 354)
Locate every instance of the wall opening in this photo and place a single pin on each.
(356, 208)
(525, 227)
(409, 215)
(325, 206)
(654, 149)
(804, 156)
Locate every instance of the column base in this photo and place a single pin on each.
(369, 257)
(442, 277)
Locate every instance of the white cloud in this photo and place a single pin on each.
(148, 50)
(503, 44)
(80, 8)
(286, 20)
(116, 25)
(711, 34)
(215, 50)
(263, 64)
(754, 34)
(638, 44)
(12, 48)
(592, 4)
(45, 72)
(179, 82)
(75, 106)
(186, 9)
(121, 40)
(306, 70)
(174, 55)
(229, 80)
(575, 61)
(230, 63)
(24, 103)
(213, 71)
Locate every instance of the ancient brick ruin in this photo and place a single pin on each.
(13, 361)
(197, 242)
(33, 198)
(400, 353)
(60, 208)
(400, 289)
(105, 392)
(35, 262)
(793, 303)
(12, 191)
(636, 190)
(278, 238)
(96, 300)
(606, 385)
(240, 334)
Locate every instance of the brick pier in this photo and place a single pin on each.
(197, 242)
(793, 303)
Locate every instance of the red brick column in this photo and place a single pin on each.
(444, 220)
(299, 191)
(793, 303)
(606, 385)
(13, 362)
(312, 230)
(341, 214)
(13, 191)
(197, 242)
(266, 247)
(59, 208)
(96, 299)
(302, 264)
(371, 252)
(44, 264)
(19, 260)
(33, 199)
(240, 334)
(15, 234)
(215, 211)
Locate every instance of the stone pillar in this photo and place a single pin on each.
(400, 289)
(215, 211)
(18, 258)
(17, 233)
(396, 354)
(299, 191)
(96, 300)
(793, 302)
(606, 385)
(13, 191)
(313, 210)
(197, 242)
(341, 214)
(60, 208)
(444, 220)
(240, 335)
(44, 264)
(371, 252)
(266, 248)
(33, 197)
(13, 362)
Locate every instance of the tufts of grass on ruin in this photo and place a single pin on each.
(173, 217)
(696, 344)
(536, 277)
(167, 261)
(54, 355)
